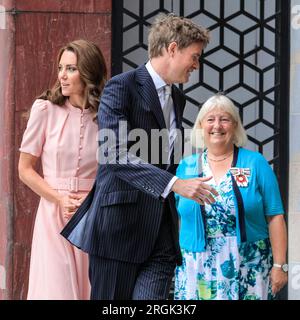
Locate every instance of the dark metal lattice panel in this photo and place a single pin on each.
(247, 58)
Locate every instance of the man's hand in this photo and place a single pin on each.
(195, 189)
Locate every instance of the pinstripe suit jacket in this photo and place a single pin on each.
(121, 216)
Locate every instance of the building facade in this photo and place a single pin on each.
(253, 56)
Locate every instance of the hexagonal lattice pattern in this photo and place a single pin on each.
(241, 59)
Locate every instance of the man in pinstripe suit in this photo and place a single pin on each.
(128, 224)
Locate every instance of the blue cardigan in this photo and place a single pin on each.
(252, 203)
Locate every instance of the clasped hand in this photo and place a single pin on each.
(70, 203)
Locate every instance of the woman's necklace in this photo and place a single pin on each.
(222, 159)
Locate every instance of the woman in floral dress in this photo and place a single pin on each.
(235, 248)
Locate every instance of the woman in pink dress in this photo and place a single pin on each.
(62, 131)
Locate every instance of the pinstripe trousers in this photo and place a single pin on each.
(151, 280)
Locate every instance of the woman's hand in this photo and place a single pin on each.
(69, 203)
(81, 197)
(278, 238)
(278, 278)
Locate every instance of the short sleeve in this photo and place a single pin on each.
(35, 133)
(269, 188)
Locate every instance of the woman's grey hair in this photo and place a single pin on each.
(218, 101)
(168, 28)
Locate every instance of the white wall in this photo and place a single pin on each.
(294, 175)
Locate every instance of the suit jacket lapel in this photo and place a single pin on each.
(148, 93)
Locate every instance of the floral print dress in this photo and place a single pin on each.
(226, 270)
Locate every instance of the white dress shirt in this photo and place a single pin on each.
(159, 84)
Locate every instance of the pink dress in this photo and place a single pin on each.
(65, 139)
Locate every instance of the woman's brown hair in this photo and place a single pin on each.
(93, 72)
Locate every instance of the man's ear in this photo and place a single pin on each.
(172, 47)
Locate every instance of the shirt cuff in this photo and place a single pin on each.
(169, 187)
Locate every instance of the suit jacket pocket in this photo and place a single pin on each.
(118, 197)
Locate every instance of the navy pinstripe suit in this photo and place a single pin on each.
(121, 219)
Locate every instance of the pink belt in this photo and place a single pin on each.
(73, 184)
